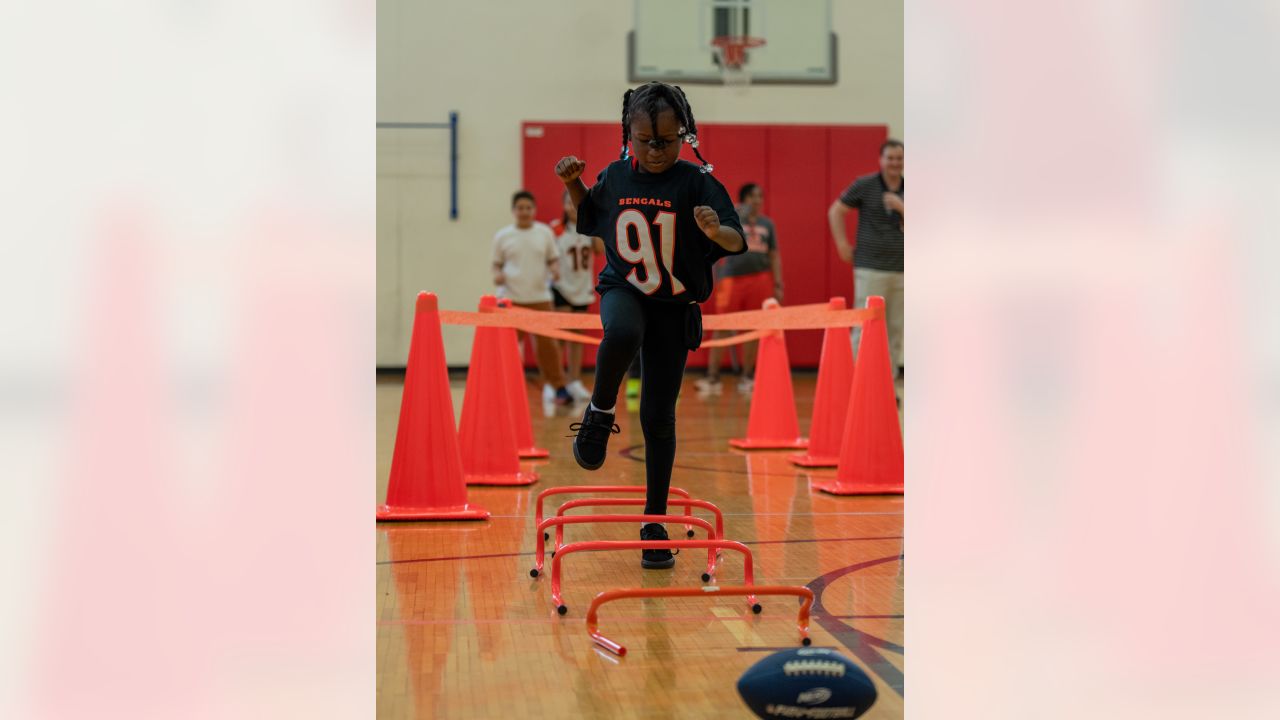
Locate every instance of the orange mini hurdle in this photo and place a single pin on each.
(802, 617)
(687, 503)
(748, 573)
(559, 521)
(585, 489)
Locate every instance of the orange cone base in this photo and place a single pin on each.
(534, 452)
(462, 512)
(769, 444)
(807, 460)
(836, 488)
(520, 478)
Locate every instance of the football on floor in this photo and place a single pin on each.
(807, 683)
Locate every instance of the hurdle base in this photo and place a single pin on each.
(593, 617)
(533, 453)
(462, 512)
(808, 460)
(503, 479)
(769, 444)
(835, 487)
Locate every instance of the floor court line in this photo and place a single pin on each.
(863, 645)
(558, 619)
(552, 618)
(788, 647)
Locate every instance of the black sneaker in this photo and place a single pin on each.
(592, 442)
(655, 559)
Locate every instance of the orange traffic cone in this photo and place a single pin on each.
(772, 422)
(487, 433)
(871, 453)
(518, 394)
(830, 400)
(426, 469)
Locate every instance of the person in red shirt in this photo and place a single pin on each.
(744, 282)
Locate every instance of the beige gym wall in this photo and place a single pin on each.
(500, 63)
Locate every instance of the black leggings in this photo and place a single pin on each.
(657, 331)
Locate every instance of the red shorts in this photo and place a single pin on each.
(744, 292)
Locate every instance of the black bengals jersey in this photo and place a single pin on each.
(651, 241)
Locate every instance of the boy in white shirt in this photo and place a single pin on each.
(575, 289)
(525, 261)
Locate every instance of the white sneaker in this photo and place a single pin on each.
(548, 394)
(745, 385)
(709, 386)
(579, 391)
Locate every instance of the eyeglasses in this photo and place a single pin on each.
(658, 143)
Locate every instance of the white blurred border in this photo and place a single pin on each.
(186, 404)
(185, 391)
(1092, 497)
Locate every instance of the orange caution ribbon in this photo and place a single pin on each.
(738, 339)
(799, 317)
(755, 323)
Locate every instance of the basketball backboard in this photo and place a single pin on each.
(672, 40)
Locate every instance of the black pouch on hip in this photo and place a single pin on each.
(693, 326)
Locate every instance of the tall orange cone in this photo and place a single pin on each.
(518, 393)
(871, 453)
(426, 470)
(830, 400)
(487, 433)
(772, 422)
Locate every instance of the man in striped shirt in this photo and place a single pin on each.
(877, 253)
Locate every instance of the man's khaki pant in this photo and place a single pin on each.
(887, 285)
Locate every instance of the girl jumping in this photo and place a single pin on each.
(664, 222)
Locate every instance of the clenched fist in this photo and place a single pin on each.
(569, 169)
(708, 221)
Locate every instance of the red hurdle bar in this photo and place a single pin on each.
(802, 618)
(560, 521)
(623, 502)
(748, 574)
(584, 489)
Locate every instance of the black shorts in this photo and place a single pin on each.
(561, 301)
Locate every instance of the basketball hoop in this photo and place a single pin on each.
(731, 54)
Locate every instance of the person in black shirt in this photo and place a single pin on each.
(664, 222)
(876, 255)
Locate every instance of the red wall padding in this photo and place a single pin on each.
(802, 168)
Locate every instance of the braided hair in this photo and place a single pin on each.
(652, 98)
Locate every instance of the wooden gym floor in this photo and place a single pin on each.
(464, 632)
